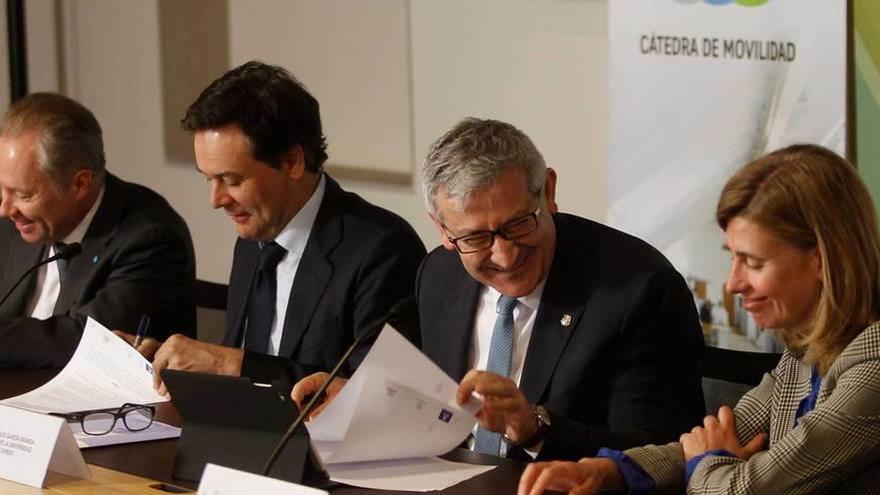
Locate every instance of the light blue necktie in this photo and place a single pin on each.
(500, 354)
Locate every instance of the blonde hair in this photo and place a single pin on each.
(813, 199)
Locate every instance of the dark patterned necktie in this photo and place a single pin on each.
(61, 263)
(261, 301)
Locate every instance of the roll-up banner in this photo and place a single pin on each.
(866, 80)
(699, 88)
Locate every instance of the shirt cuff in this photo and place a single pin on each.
(534, 450)
(691, 465)
(638, 480)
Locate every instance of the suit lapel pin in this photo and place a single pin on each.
(565, 320)
(95, 259)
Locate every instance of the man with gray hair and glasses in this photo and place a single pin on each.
(575, 335)
(137, 256)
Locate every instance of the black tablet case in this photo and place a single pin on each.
(235, 423)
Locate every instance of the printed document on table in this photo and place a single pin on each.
(421, 474)
(397, 411)
(104, 372)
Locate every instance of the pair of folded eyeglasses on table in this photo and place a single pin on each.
(135, 417)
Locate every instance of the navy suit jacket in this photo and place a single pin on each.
(137, 259)
(359, 261)
(624, 371)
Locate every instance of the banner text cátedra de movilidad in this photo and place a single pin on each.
(690, 46)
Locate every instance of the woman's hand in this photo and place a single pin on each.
(720, 433)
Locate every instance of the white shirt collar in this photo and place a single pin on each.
(531, 300)
(79, 232)
(295, 234)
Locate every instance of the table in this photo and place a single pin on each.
(154, 460)
(104, 481)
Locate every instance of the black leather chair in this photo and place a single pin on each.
(210, 310)
(728, 374)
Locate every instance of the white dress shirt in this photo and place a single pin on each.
(293, 238)
(523, 321)
(524, 315)
(48, 287)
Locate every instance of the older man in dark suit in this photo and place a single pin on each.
(575, 335)
(314, 266)
(137, 256)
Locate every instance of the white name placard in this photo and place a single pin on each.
(220, 480)
(33, 444)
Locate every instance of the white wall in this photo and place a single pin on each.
(42, 45)
(540, 64)
(352, 56)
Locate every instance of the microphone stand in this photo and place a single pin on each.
(67, 252)
(396, 310)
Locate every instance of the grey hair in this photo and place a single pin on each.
(70, 138)
(475, 153)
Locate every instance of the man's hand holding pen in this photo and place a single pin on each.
(147, 346)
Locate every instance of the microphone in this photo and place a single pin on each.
(66, 252)
(395, 316)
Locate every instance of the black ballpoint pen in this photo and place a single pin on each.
(143, 326)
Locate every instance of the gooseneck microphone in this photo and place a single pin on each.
(65, 252)
(395, 316)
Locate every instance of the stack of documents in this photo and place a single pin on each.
(391, 418)
(104, 372)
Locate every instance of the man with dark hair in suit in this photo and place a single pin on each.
(137, 256)
(314, 266)
(575, 335)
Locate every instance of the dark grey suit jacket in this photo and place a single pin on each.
(623, 372)
(137, 259)
(359, 261)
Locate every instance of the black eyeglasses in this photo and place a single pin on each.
(135, 417)
(512, 230)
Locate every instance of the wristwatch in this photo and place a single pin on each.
(542, 421)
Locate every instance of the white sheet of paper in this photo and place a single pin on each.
(388, 412)
(396, 357)
(121, 434)
(366, 421)
(104, 372)
(333, 422)
(220, 480)
(421, 474)
(32, 445)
